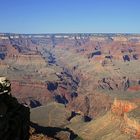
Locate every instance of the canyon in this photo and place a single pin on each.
(79, 86)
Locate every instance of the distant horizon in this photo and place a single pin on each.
(69, 33)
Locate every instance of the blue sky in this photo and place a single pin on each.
(70, 16)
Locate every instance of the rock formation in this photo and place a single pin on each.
(14, 117)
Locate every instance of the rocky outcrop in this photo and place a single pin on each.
(114, 83)
(121, 107)
(131, 126)
(128, 112)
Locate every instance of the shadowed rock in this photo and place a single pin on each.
(51, 86)
(14, 117)
(55, 132)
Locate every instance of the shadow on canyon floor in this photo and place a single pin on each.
(52, 131)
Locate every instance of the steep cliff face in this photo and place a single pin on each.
(20, 59)
(26, 92)
(128, 112)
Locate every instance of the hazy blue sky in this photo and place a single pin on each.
(60, 16)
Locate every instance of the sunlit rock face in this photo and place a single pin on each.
(121, 107)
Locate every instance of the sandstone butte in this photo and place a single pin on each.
(122, 108)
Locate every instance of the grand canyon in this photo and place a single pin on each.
(78, 86)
